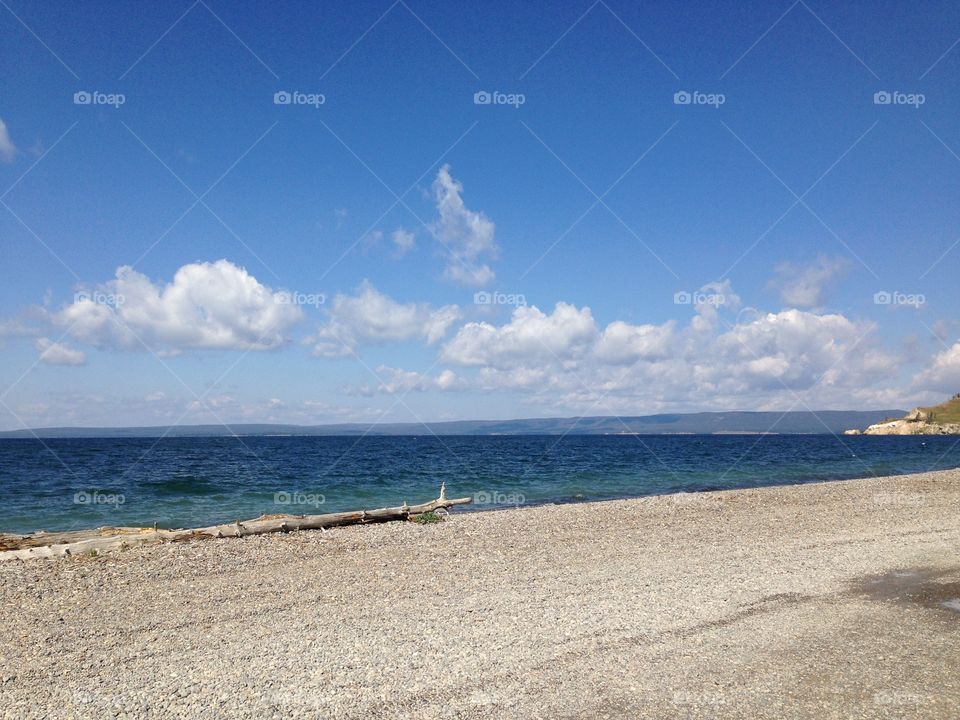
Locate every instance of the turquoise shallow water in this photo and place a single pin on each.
(73, 483)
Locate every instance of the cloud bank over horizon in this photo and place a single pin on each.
(559, 360)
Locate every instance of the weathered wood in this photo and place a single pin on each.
(47, 545)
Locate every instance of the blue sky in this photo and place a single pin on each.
(319, 262)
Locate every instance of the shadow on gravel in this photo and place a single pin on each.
(933, 589)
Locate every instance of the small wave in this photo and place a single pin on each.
(188, 485)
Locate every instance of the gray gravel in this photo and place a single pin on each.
(821, 601)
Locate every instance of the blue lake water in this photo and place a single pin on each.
(178, 482)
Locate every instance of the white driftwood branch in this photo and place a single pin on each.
(47, 545)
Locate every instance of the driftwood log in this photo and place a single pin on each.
(48, 545)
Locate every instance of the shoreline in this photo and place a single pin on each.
(475, 508)
(824, 599)
(621, 498)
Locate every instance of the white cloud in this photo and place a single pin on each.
(563, 362)
(55, 353)
(395, 380)
(15, 327)
(467, 235)
(403, 240)
(942, 329)
(710, 300)
(794, 348)
(8, 151)
(803, 285)
(622, 343)
(369, 316)
(529, 335)
(943, 373)
(207, 306)
(521, 377)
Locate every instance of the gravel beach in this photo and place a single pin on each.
(833, 600)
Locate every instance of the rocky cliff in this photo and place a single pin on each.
(937, 420)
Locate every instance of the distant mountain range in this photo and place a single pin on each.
(705, 423)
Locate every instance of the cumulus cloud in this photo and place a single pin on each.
(403, 241)
(16, 327)
(215, 305)
(942, 375)
(395, 380)
(803, 285)
(563, 361)
(8, 151)
(794, 349)
(369, 316)
(372, 238)
(530, 334)
(710, 300)
(466, 234)
(941, 329)
(55, 353)
(622, 343)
